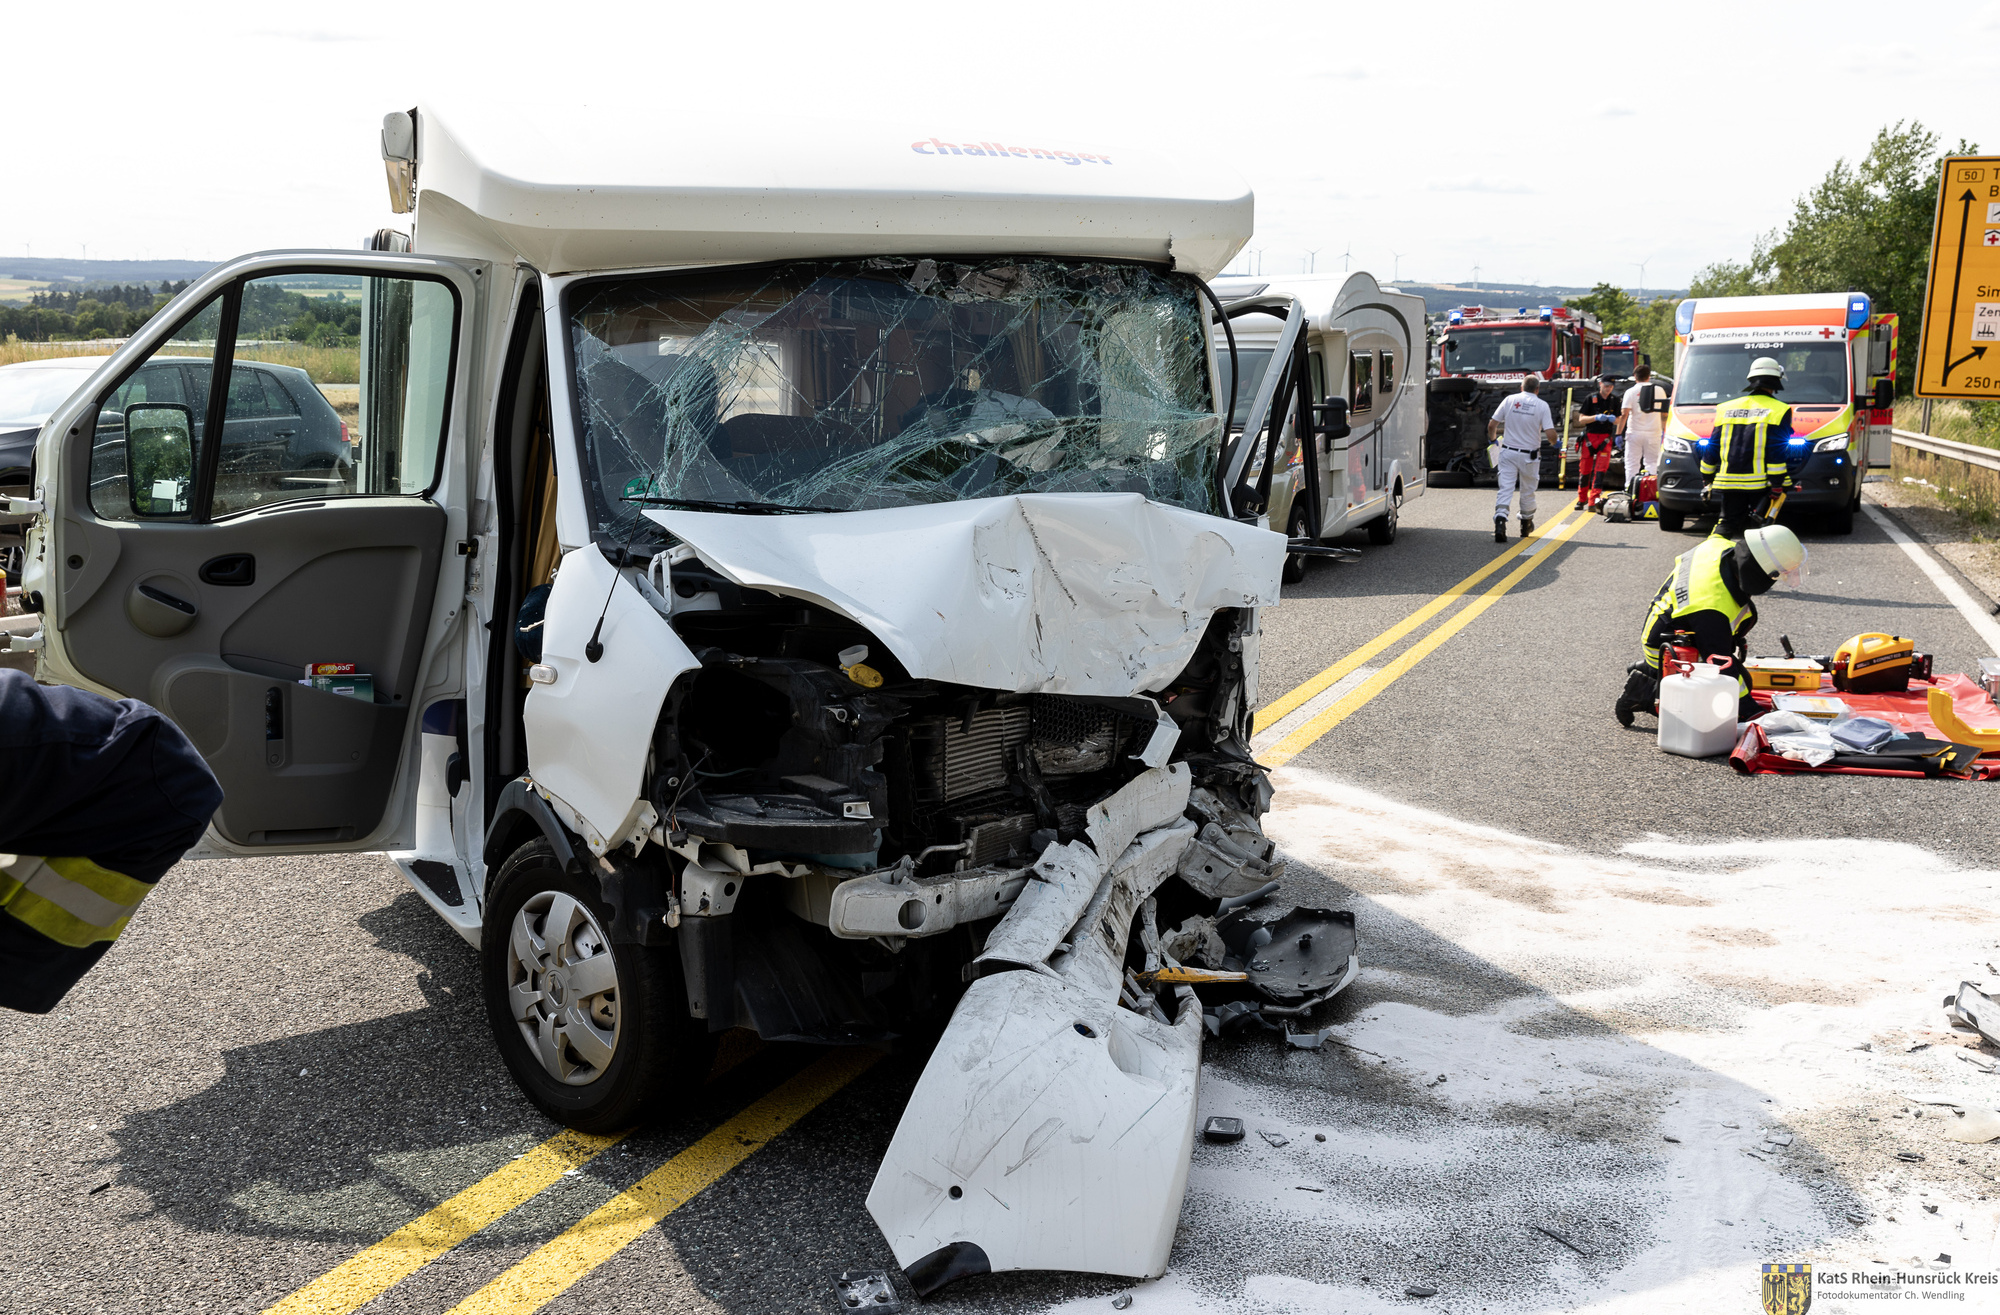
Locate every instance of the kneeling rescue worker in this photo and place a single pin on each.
(1707, 599)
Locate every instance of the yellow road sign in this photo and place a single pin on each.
(1960, 353)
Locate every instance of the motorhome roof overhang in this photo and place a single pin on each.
(604, 199)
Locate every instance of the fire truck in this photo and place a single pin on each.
(1483, 354)
(1622, 356)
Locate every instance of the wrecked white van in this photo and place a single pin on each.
(800, 589)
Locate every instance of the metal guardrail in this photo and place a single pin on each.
(1970, 453)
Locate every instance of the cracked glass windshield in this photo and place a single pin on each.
(847, 385)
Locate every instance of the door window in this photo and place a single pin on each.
(1386, 378)
(1361, 380)
(338, 387)
(153, 475)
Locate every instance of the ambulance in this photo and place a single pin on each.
(1839, 355)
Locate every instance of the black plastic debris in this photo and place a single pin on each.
(1419, 1291)
(1910, 1157)
(1295, 958)
(1222, 1128)
(866, 1289)
(1552, 1234)
(1674, 1140)
(1944, 1258)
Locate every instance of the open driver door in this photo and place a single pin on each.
(270, 477)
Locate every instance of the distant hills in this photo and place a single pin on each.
(1444, 296)
(58, 270)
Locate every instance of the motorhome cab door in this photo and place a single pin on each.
(252, 517)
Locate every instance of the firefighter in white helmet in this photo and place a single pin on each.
(1706, 605)
(1745, 456)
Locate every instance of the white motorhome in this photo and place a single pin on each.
(774, 588)
(1364, 345)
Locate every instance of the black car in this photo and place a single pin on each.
(281, 437)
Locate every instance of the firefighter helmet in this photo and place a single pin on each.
(1766, 367)
(1778, 551)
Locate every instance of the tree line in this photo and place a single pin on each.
(117, 311)
(1865, 227)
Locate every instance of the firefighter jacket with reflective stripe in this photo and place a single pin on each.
(1705, 596)
(1747, 447)
(98, 798)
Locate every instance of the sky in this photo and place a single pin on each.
(1437, 142)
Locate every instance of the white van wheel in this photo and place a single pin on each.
(1295, 563)
(594, 1033)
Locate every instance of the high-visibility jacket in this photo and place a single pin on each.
(1697, 597)
(98, 798)
(1748, 443)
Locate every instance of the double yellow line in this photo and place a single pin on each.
(1549, 538)
(592, 1240)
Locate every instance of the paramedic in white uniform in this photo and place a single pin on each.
(1521, 425)
(1642, 427)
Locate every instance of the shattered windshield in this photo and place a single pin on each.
(847, 385)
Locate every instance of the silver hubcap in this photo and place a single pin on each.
(562, 987)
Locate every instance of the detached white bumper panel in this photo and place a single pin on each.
(1051, 1130)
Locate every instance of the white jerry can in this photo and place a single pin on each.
(1698, 712)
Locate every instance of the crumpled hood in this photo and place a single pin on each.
(1065, 593)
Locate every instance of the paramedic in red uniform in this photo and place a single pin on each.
(1593, 450)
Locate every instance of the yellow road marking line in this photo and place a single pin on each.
(1270, 715)
(366, 1275)
(1294, 744)
(558, 1263)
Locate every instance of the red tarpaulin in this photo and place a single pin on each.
(1907, 711)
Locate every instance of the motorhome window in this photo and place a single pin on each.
(1318, 376)
(1361, 366)
(1255, 360)
(890, 382)
(1815, 372)
(1385, 379)
(1497, 351)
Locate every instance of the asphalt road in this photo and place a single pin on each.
(287, 1060)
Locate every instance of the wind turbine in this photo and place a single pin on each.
(1346, 257)
(1398, 275)
(1475, 278)
(1312, 261)
(1642, 276)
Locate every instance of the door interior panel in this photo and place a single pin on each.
(352, 581)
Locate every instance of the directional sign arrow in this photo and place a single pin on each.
(1974, 354)
(1951, 315)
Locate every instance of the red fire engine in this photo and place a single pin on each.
(1487, 343)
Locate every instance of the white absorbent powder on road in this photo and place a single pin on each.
(1620, 1083)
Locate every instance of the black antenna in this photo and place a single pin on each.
(595, 648)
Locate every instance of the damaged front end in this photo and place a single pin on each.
(912, 693)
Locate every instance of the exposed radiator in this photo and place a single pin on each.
(953, 760)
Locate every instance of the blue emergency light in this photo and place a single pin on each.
(1858, 311)
(1684, 318)
(1546, 314)
(1457, 318)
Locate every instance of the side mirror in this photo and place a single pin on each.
(159, 458)
(1332, 418)
(1885, 392)
(1646, 359)
(1647, 394)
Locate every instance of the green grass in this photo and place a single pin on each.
(1971, 491)
(1960, 422)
